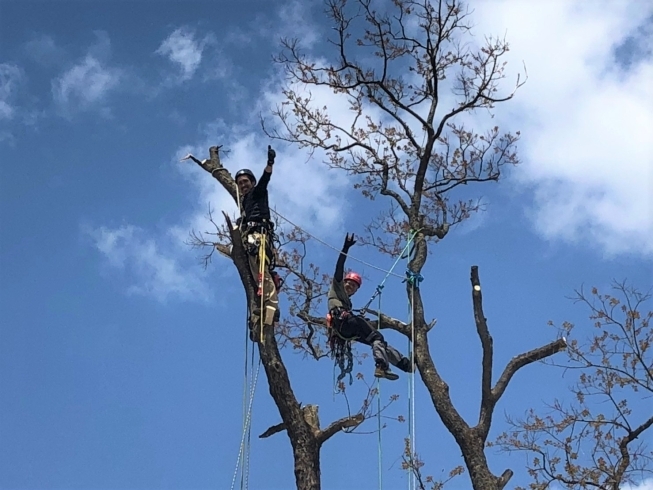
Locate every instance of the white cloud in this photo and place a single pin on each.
(6, 136)
(184, 50)
(85, 84)
(44, 50)
(586, 118)
(295, 22)
(646, 484)
(150, 270)
(10, 76)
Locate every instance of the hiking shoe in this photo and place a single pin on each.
(405, 365)
(380, 372)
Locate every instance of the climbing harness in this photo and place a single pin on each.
(340, 347)
(259, 240)
(251, 244)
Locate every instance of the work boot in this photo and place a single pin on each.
(384, 372)
(405, 365)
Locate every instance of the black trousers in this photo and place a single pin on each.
(355, 327)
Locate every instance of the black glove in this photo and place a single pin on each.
(349, 241)
(271, 155)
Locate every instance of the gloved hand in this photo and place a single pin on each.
(271, 155)
(349, 242)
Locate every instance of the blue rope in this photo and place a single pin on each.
(413, 278)
(378, 419)
(382, 283)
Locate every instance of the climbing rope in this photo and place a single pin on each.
(411, 277)
(243, 453)
(249, 417)
(246, 389)
(378, 289)
(412, 483)
(340, 346)
(414, 280)
(334, 248)
(378, 418)
(378, 406)
(249, 387)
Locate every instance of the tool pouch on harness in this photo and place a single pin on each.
(334, 319)
(340, 347)
(338, 315)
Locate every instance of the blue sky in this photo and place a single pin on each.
(121, 358)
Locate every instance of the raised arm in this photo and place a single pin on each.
(340, 265)
(267, 171)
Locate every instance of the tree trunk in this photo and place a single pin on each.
(305, 446)
(301, 424)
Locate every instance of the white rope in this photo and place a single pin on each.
(246, 428)
(246, 383)
(334, 248)
(249, 425)
(246, 389)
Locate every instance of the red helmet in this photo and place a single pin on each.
(353, 276)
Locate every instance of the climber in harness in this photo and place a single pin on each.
(346, 326)
(257, 232)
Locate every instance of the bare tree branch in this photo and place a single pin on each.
(339, 425)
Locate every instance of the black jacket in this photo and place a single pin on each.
(255, 203)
